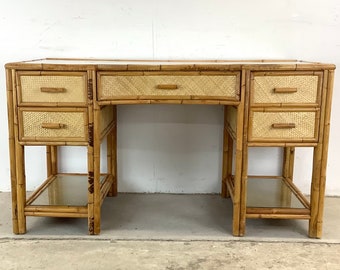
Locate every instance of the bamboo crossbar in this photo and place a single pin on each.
(39, 190)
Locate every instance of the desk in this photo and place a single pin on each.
(54, 102)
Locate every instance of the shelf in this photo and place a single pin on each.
(273, 193)
(63, 190)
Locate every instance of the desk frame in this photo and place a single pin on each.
(234, 186)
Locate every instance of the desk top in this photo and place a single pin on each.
(165, 65)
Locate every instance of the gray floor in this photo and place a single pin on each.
(163, 231)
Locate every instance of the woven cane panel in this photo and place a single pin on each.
(106, 116)
(262, 125)
(307, 89)
(187, 85)
(74, 124)
(74, 85)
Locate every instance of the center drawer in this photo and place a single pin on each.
(53, 124)
(162, 85)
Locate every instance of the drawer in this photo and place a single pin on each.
(161, 85)
(47, 124)
(286, 88)
(52, 88)
(283, 126)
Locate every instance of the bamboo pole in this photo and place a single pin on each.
(240, 165)
(96, 159)
(320, 161)
(90, 158)
(224, 188)
(11, 137)
(113, 149)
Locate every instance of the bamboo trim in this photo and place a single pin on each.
(302, 143)
(277, 211)
(47, 143)
(54, 214)
(168, 101)
(56, 209)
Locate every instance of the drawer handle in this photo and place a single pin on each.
(167, 86)
(285, 90)
(52, 90)
(53, 125)
(283, 125)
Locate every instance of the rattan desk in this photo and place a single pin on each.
(54, 102)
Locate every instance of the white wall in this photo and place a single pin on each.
(171, 148)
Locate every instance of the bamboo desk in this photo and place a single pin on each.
(56, 102)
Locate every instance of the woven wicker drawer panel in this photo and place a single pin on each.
(73, 125)
(306, 89)
(53, 88)
(261, 126)
(223, 86)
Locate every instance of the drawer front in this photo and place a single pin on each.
(50, 125)
(285, 88)
(160, 86)
(284, 126)
(52, 88)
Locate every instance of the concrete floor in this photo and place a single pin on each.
(163, 231)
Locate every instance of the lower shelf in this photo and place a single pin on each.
(64, 195)
(275, 197)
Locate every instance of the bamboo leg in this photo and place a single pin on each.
(243, 191)
(241, 166)
(12, 151)
(320, 162)
(91, 204)
(21, 188)
(112, 160)
(288, 162)
(96, 167)
(225, 161)
(315, 192)
(96, 151)
(52, 159)
(287, 173)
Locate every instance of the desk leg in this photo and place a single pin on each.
(287, 173)
(52, 160)
(288, 162)
(112, 155)
(227, 158)
(21, 187)
(317, 195)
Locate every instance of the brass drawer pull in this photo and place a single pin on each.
(52, 90)
(53, 125)
(167, 86)
(283, 125)
(285, 90)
